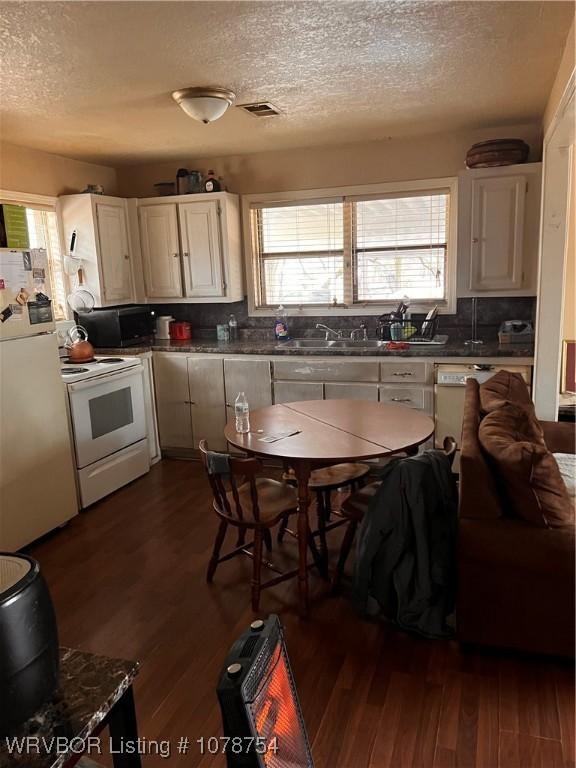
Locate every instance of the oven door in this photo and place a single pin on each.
(107, 414)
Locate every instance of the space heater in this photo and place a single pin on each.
(263, 722)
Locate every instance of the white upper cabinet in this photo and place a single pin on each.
(497, 233)
(191, 248)
(160, 250)
(498, 226)
(114, 253)
(201, 250)
(102, 244)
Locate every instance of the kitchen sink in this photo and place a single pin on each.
(353, 344)
(305, 344)
(330, 344)
(360, 344)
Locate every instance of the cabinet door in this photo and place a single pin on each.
(421, 398)
(160, 251)
(201, 249)
(407, 371)
(251, 377)
(293, 391)
(206, 382)
(173, 401)
(114, 253)
(337, 391)
(497, 233)
(326, 370)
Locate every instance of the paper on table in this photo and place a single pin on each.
(279, 436)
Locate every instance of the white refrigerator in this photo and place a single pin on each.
(37, 476)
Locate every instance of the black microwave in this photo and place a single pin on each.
(118, 326)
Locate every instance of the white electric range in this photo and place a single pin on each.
(107, 413)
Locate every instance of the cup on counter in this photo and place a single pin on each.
(223, 332)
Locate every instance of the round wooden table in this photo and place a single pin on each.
(328, 432)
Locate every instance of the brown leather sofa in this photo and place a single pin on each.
(516, 581)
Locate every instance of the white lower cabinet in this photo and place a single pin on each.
(253, 377)
(173, 401)
(421, 398)
(337, 391)
(293, 391)
(190, 400)
(195, 393)
(206, 386)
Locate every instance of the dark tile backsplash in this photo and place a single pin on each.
(491, 312)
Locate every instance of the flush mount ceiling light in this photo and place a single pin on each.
(204, 104)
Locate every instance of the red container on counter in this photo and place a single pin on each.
(180, 331)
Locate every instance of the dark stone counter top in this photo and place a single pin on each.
(451, 349)
(89, 687)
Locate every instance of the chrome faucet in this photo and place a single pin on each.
(363, 330)
(328, 331)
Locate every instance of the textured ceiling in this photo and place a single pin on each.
(93, 80)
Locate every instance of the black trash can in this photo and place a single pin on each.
(28, 641)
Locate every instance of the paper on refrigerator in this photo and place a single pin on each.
(15, 271)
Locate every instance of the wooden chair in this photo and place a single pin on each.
(322, 482)
(355, 506)
(248, 503)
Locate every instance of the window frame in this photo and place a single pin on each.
(350, 194)
(48, 203)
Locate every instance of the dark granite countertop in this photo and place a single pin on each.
(451, 349)
(89, 687)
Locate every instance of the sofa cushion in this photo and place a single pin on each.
(528, 472)
(504, 388)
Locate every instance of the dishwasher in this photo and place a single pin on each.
(449, 391)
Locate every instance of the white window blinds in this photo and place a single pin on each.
(400, 247)
(300, 253)
(352, 250)
(43, 233)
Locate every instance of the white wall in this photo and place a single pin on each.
(424, 157)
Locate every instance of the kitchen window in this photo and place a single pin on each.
(43, 232)
(354, 253)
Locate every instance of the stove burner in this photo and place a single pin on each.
(69, 361)
(71, 371)
(110, 360)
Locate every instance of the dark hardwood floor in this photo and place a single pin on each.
(128, 580)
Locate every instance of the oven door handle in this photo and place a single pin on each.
(118, 376)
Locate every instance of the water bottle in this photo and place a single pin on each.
(242, 414)
(233, 326)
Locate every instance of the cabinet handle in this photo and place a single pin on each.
(126, 256)
(176, 255)
(475, 240)
(401, 399)
(186, 254)
(229, 405)
(404, 373)
(189, 402)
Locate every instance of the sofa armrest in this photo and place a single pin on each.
(560, 436)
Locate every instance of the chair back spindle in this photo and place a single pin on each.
(223, 483)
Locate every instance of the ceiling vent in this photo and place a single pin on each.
(260, 109)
